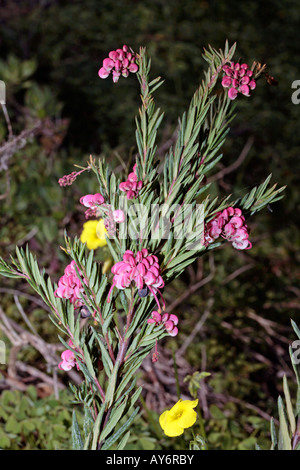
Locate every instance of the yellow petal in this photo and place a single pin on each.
(173, 429)
(187, 419)
(101, 231)
(163, 419)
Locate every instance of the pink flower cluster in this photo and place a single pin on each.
(141, 269)
(119, 62)
(69, 286)
(238, 79)
(92, 201)
(68, 358)
(132, 186)
(168, 320)
(229, 224)
(67, 180)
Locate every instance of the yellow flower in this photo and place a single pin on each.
(181, 416)
(93, 234)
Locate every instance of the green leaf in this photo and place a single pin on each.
(120, 431)
(284, 440)
(115, 417)
(111, 385)
(123, 441)
(96, 429)
(88, 361)
(273, 434)
(289, 405)
(76, 435)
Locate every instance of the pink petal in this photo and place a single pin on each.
(131, 195)
(226, 81)
(108, 64)
(244, 89)
(118, 216)
(232, 93)
(103, 73)
(113, 55)
(149, 278)
(132, 177)
(245, 80)
(133, 68)
(156, 316)
(173, 332)
(98, 199)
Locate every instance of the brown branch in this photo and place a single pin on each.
(234, 165)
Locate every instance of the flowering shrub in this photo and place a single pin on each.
(155, 224)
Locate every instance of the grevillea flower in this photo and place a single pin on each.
(167, 319)
(93, 234)
(67, 180)
(69, 286)
(238, 78)
(92, 202)
(132, 186)
(119, 62)
(141, 269)
(68, 360)
(118, 216)
(229, 224)
(179, 417)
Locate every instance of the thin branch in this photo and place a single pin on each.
(196, 329)
(234, 165)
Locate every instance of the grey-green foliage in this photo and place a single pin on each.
(112, 345)
(286, 437)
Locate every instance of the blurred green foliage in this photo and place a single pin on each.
(50, 56)
(32, 423)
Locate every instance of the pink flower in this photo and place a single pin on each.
(91, 201)
(237, 79)
(229, 224)
(119, 62)
(132, 186)
(118, 216)
(155, 318)
(68, 360)
(168, 320)
(69, 286)
(67, 180)
(141, 269)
